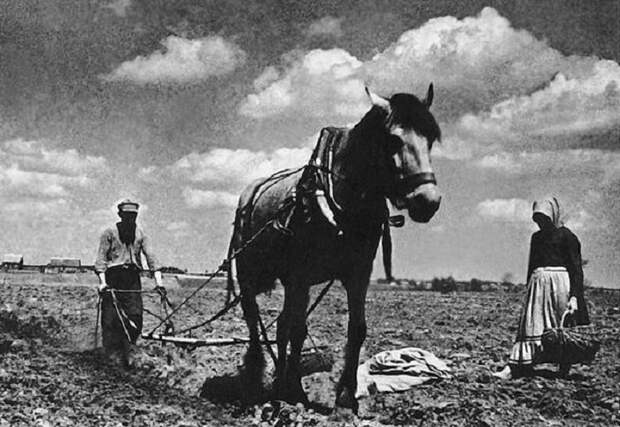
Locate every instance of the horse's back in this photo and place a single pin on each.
(264, 198)
(261, 203)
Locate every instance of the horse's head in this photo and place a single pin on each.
(409, 133)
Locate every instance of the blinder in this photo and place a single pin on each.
(409, 183)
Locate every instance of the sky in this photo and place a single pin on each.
(180, 104)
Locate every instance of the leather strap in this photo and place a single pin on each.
(409, 183)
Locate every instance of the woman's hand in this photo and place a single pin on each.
(572, 305)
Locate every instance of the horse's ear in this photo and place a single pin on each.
(428, 101)
(378, 100)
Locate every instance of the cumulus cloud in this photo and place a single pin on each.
(438, 228)
(35, 156)
(33, 208)
(232, 169)
(26, 183)
(177, 226)
(497, 88)
(319, 83)
(559, 114)
(182, 61)
(326, 26)
(147, 173)
(589, 162)
(29, 168)
(196, 198)
(579, 221)
(505, 210)
(118, 7)
(218, 175)
(179, 229)
(475, 63)
(515, 210)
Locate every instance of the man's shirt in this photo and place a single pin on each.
(112, 252)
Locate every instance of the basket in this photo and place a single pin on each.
(570, 345)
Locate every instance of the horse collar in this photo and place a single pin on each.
(322, 161)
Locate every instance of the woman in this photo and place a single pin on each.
(555, 284)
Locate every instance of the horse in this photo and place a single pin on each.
(324, 221)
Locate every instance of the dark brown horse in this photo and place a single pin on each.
(324, 221)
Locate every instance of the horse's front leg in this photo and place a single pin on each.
(356, 334)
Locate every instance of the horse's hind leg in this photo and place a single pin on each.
(298, 334)
(291, 327)
(282, 339)
(253, 361)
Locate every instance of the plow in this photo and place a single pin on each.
(314, 359)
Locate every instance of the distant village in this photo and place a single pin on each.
(15, 263)
(56, 265)
(450, 284)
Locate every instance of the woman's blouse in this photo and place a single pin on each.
(558, 247)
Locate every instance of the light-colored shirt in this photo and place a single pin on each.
(112, 252)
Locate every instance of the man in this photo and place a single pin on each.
(386, 245)
(386, 250)
(118, 266)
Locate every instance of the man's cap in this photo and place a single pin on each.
(128, 206)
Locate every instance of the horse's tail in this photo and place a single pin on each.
(230, 280)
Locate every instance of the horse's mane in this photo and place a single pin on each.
(411, 113)
(407, 111)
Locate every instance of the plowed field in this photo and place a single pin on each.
(51, 374)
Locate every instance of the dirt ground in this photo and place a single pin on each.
(51, 374)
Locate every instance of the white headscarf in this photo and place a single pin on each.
(550, 207)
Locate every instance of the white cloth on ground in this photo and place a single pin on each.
(399, 370)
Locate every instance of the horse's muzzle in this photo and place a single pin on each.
(423, 203)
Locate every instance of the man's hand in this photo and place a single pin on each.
(572, 305)
(102, 287)
(157, 277)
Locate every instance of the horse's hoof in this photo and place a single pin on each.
(279, 391)
(292, 392)
(346, 399)
(295, 398)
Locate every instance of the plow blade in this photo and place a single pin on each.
(197, 342)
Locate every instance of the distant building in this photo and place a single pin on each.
(12, 262)
(63, 265)
(427, 285)
(172, 270)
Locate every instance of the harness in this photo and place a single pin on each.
(321, 167)
(315, 188)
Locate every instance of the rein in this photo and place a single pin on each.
(409, 183)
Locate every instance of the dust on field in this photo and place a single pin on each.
(52, 374)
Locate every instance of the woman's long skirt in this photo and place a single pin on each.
(546, 301)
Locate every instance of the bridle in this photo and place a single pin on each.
(403, 183)
(321, 162)
(409, 183)
(406, 184)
